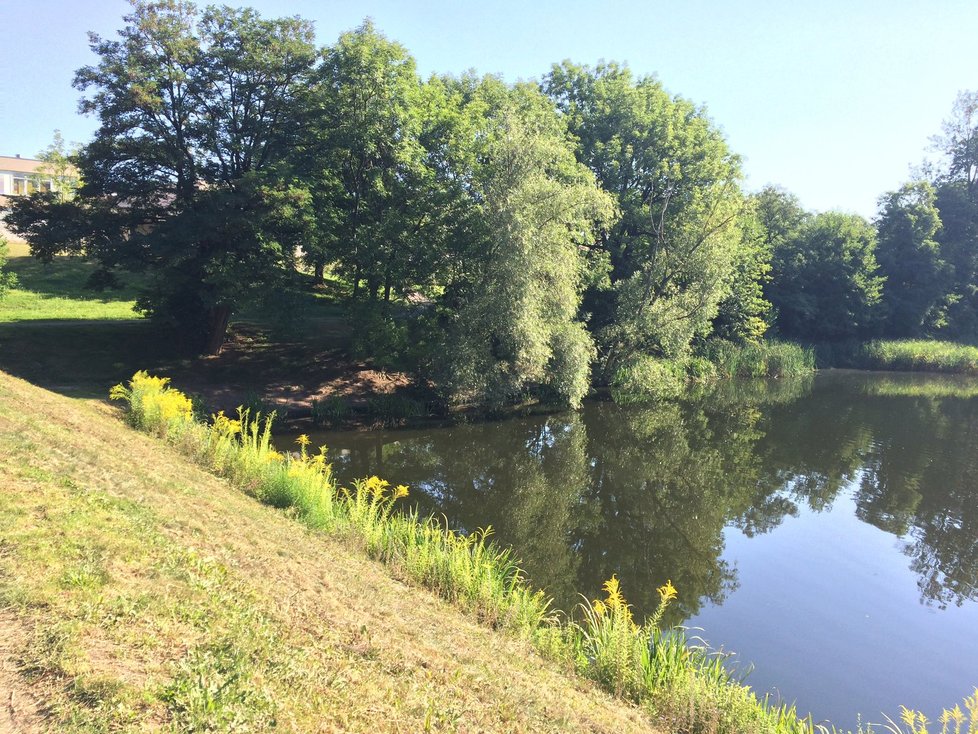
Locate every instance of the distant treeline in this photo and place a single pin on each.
(499, 240)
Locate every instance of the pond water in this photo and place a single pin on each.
(824, 530)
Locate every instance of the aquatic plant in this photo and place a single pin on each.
(910, 355)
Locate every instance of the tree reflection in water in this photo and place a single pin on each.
(646, 492)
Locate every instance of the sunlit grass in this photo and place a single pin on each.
(921, 355)
(56, 291)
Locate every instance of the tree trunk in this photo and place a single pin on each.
(217, 328)
(320, 271)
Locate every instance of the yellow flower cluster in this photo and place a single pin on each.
(155, 397)
(226, 426)
(667, 592)
(378, 488)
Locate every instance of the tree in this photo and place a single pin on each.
(956, 180)
(199, 112)
(7, 280)
(367, 154)
(56, 164)
(825, 284)
(745, 314)
(673, 249)
(510, 309)
(959, 143)
(916, 293)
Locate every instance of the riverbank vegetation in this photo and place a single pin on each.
(496, 242)
(683, 686)
(686, 686)
(909, 355)
(140, 592)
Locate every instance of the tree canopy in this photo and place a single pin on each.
(499, 240)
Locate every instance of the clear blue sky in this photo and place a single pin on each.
(832, 99)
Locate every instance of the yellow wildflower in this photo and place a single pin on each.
(667, 592)
(400, 491)
(613, 589)
(303, 440)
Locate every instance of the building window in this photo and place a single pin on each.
(20, 187)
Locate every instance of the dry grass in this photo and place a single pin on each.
(151, 594)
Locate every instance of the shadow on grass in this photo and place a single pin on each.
(85, 358)
(66, 277)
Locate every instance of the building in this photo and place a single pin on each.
(22, 176)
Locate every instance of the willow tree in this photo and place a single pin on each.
(186, 177)
(672, 252)
(510, 309)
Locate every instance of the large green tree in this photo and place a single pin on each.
(672, 252)
(368, 161)
(916, 293)
(956, 180)
(511, 305)
(186, 177)
(825, 283)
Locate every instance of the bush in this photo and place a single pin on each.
(7, 280)
(765, 359)
(648, 378)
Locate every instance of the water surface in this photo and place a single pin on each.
(825, 530)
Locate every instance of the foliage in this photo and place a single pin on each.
(767, 359)
(915, 296)
(7, 280)
(745, 314)
(57, 163)
(904, 355)
(645, 378)
(184, 179)
(825, 283)
(673, 249)
(378, 209)
(511, 316)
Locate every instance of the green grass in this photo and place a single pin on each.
(767, 359)
(649, 378)
(919, 356)
(56, 291)
(139, 592)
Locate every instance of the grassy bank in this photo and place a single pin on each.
(901, 355)
(57, 290)
(683, 687)
(141, 593)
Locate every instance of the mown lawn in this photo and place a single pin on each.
(56, 291)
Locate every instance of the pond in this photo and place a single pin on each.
(824, 530)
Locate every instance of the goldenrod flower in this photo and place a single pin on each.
(667, 592)
(303, 440)
(613, 589)
(400, 491)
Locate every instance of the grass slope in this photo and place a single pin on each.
(139, 593)
(57, 291)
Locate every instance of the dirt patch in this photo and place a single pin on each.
(20, 707)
